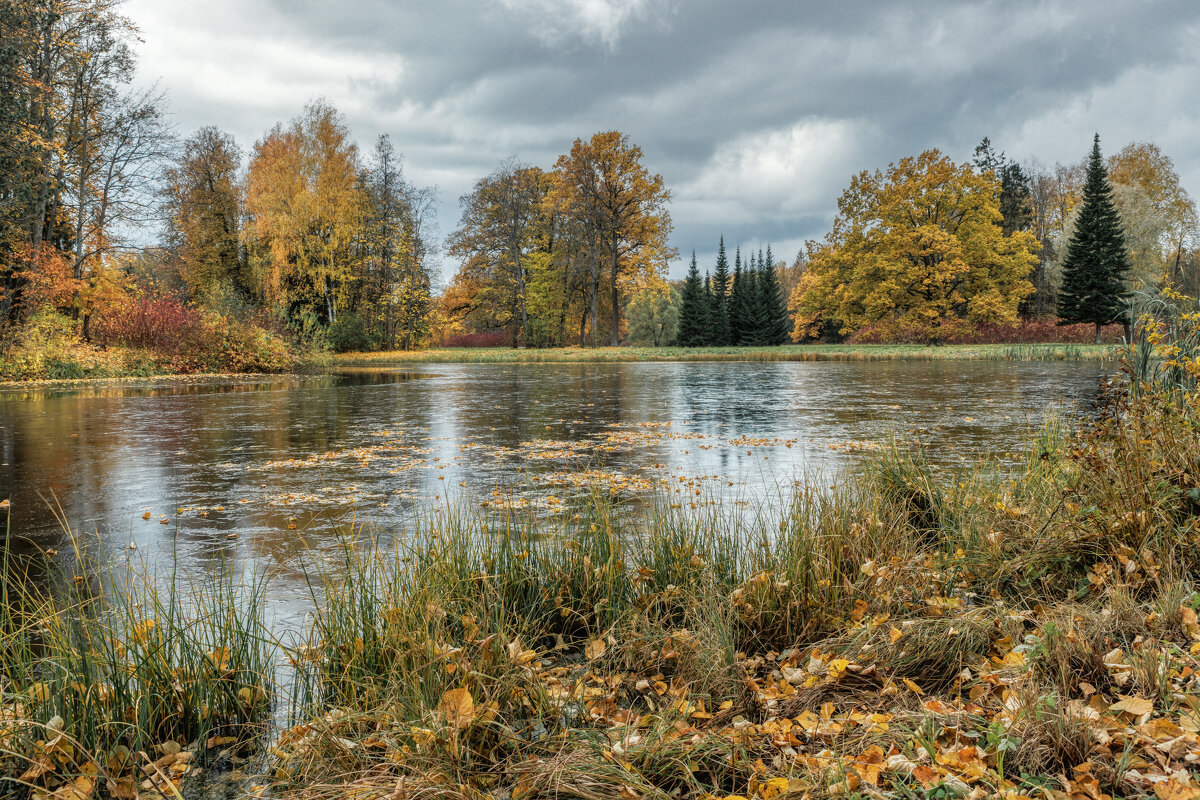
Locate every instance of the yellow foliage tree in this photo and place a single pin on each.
(918, 247)
(605, 179)
(306, 206)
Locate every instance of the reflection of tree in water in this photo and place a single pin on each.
(375, 443)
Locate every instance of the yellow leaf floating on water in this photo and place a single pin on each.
(458, 707)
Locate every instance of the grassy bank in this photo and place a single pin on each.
(906, 633)
(861, 352)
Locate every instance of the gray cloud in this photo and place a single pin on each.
(756, 112)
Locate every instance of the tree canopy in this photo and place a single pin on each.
(918, 245)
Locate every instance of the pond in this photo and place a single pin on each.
(263, 469)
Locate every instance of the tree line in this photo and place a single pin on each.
(930, 248)
(553, 255)
(743, 308)
(101, 203)
(307, 231)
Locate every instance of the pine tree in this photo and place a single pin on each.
(775, 317)
(1093, 283)
(720, 294)
(692, 311)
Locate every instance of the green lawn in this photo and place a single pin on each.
(813, 352)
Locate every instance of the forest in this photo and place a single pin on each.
(128, 247)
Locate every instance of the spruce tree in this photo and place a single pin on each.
(775, 317)
(740, 300)
(751, 305)
(720, 289)
(692, 310)
(710, 312)
(1093, 282)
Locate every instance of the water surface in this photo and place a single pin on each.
(282, 462)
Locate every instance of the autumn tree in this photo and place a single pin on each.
(918, 245)
(627, 206)
(81, 154)
(497, 234)
(204, 198)
(396, 296)
(1159, 216)
(305, 209)
(654, 315)
(1094, 270)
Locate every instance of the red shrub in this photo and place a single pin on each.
(158, 323)
(484, 339)
(190, 340)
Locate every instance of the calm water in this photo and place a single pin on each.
(281, 462)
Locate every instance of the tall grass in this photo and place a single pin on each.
(614, 651)
(103, 673)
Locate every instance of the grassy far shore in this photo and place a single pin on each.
(84, 363)
(807, 352)
(906, 633)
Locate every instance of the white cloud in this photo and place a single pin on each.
(778, 174)
(602, 21)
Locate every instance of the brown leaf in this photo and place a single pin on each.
(458, 707)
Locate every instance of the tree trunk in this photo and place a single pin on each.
(595, 276)
(616, 330)
(1098, 326)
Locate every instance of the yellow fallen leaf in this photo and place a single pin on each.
(1133, 705)
(458, 707)
(594, 649)
(912, 687)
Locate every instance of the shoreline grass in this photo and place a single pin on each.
(860, 352)
(905, 633)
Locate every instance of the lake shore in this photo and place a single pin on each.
(805, 352)
(906, 632)
(114, 373)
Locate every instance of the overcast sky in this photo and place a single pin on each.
(756, 112)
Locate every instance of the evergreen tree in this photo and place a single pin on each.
(693, 313)
(740, 298)
(1015, 192)
(720, 293)
(1093, 283)
(710, 309)
(775, 316)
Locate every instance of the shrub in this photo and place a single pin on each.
(349, 333)
(154, 322)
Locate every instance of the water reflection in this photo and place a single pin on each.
(279, 462)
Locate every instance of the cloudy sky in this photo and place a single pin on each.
(756, 112)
